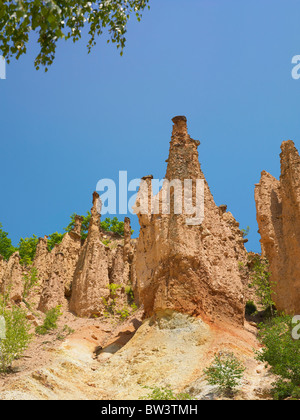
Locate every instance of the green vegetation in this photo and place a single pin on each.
(112, 307)
(27, 246)
(113, 225)
(282, 352)
(123, 313)
(30, 281)
(27, 249)
(250, 308)
(84, 227)
(226, 372)
(54, 239)
(164, 393)
(245, 232)
(50, 322)
(64, 333)
(6, 248)
(17, 336)
(260, 281)
(52, 21)
(111, 302)
(109, 225)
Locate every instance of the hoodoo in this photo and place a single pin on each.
(192, 269)
(278, 215)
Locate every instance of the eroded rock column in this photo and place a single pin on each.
(91, 274)
(278, 216)
(58, 279)
(188, 269)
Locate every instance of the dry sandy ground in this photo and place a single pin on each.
(103, 360)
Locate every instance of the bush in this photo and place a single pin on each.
(50, 322)
(84, 226)
(17, 337)
(112, 306)
(54, 239)
(245, 232)
(109, 225)
(283, 390)
(6, 248)
(30, 281)
(260, 281)
(164, 393)
(226, 372)
(282, 353)
(27, 249)
(113, 225)
(250, 308)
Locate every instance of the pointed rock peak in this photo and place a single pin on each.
(78, 224)
(288, 145)
(96, 210)
(266, 176)
(183, 161)
(185, 267)
(96, 197)
(289, 153)
(290, 164)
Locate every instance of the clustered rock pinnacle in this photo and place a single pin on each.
(173, 265)
(73, 275)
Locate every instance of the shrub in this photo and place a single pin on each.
(260, 281)
(123, 313)
(64, 333)
(50, 322)
(164, 393)
(111, 307)
(245, 232)
(17, 337)
(6, 248)
(283, 390)
(250, 308)
(113, 289)
(109, 225)
(30, 281)
(27, 249)
(113, 225)
(54, 239)
(84, 226)
(282, 353)
(110, 303)
(226, 372)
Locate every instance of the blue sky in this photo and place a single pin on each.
(226, 65)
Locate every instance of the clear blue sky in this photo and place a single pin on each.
(226, 65)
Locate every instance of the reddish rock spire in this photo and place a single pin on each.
(189, 269)
(278, 213)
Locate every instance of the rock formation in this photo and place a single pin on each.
(91, 275)
(12, 278)
(2, 269)
(278, 215)
(192, 269)
(62, 262)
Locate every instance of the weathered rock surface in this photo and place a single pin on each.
(2, 269)
(58, 280)
(12, 278)
(186, 268)
(278, 216)
(91, 276)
